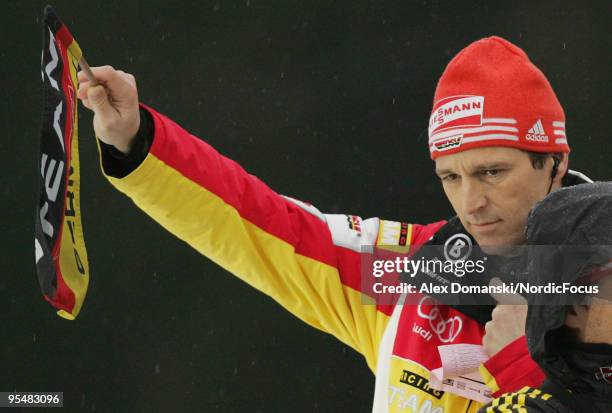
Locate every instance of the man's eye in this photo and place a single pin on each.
(491, 172)
(450, 177)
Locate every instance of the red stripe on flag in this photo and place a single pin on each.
(64, 297)
(64, 35)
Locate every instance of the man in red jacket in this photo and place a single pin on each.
(497, 136)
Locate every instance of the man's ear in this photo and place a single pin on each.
(562, 168)
(576, 316)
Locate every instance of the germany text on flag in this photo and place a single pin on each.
(61, 257)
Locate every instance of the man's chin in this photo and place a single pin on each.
(502, 249)
(498, 245)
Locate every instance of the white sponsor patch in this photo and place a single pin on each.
(448, 143)
(454, 111)
(344, 234)
(389, 233)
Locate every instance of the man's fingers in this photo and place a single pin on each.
(97, 99)
(506, 325)
(83, 88)
(97, 96)
(82, 77)
(101, 73)
(128, 77)
(82, 94)
(105, 74)
(113, 98)
(503, 298)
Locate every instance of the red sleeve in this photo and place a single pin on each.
(308, 261)
(512, 368)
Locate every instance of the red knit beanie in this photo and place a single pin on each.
(492, 95)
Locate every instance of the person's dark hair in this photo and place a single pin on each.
(539, 158)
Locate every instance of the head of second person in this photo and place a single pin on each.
(497, 136)
(570, 334)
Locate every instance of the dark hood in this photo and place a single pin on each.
(574, 221)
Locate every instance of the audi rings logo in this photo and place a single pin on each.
(458, 247)
(446, 330)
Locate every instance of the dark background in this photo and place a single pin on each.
(325, 101)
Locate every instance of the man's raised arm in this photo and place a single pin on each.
(307, 261)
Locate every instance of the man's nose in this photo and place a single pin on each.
(474, 197)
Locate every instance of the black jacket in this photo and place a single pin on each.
(575, 226)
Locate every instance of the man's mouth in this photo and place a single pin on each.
(485, 226)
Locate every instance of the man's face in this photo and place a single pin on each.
(598, 323)
(594, 322)
(492, 191)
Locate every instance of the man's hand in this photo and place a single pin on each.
(507, 321)
(115, 105)
(507, 324)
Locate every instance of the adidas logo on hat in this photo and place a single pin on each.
(536, 133)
